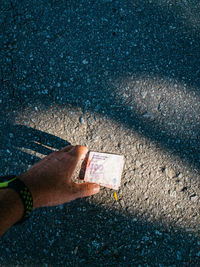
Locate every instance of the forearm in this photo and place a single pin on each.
(11, 209)
(49, 182)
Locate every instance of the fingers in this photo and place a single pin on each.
(79, 152)
(71, 157)
(76, 151)
(66, 148)
(86, 189)
(58, 154)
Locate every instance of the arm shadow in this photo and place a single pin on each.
(22, 145)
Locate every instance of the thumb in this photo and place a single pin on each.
(86, 189)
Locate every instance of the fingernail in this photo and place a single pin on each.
(96, 189)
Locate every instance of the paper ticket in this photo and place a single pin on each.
(103, 168)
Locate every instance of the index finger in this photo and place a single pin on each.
(66, 148)
(79, 152)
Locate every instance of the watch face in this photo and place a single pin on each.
(4, 180)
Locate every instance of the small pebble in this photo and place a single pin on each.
(157, 232)
(137, 163)
(122, 203)
(85, 62)
(193, 197)
(61, 207)
(81, 120)
(198, 254)
(170, 173)
(178, 255)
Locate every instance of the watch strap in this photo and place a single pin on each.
(25, 196)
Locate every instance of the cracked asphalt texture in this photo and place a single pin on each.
(117, 76)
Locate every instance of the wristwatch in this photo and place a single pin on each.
(16, 184)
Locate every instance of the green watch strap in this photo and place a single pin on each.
(5, 184)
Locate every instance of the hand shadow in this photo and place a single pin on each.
(21, 144)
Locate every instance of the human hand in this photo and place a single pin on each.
(50, 180)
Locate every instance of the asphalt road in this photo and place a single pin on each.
(117, 76)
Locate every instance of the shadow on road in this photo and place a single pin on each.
(71, 53)
(81, 233)
(24, 144)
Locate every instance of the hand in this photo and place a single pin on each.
(50, 180)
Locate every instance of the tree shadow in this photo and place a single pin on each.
(76, 57)
(71, 53)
